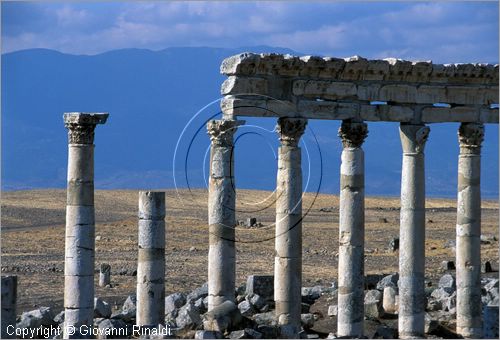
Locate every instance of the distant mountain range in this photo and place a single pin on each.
(152, 96)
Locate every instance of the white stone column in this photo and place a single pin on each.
(9, 301)
(151, 260)
(468, 250)
(288, 243)
(221, 213)
(412, 232)
(351, 231)
(80, 227)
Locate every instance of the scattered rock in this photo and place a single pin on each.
(193, 248)
(373, 304)
(208, 335)
(327, 209)
(487, 239)
(311, 294)
(223, 317)
(42, 316)
(129, 309)
(267, 318)
(389, 300)
(307, 320)
(383, 220)
(430, 325)
(107, 326)
(262, 285)
(102, 309)
(246, 308)
(59, 318)
(246, 333)
(388, 281)
(200, 305)
(174, 301)
(256, 301)
(200, 292)
(188, 317)
(448, 283)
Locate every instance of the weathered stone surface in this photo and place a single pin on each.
(389, 300)
(42, 316)
(188, 317)
(246, 333)
(224, 317)
(102, 309)
(208, 335)
(388, 281)
(104, 275)
(448, 283)
(174, 301)
(116, 328)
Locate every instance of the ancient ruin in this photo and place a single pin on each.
(354, 90)
(80, 223)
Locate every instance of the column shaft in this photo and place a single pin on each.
(221, 213)
(468, 247)
(80, 224)
(351, 232)
(9, 301)
(288, 243)
(151, 260)
(412, 232)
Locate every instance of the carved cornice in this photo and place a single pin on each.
(353, 134)
(290, 130)
(81, 126)
(221, 131)
(470, 136)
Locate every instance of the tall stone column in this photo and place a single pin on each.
(151, 260)
(468, 249)
(351, 231)
(221, 213)
(80, 227)
(288, 243)
(412, 232)
(9, 301)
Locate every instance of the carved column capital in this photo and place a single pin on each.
(290, 130)
(353, 134)
(81, 126)
(221, 131)
(470, 137)
(413, 137)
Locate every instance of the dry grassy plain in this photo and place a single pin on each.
(33, 239)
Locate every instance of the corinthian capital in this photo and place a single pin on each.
(471, 136)
(290, 130)
(221, 131)
(353, 134)
(81, 126)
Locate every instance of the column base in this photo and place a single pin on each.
(471, 333)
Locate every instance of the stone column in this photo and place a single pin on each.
(351, 231)
(221, 213)
(9, 300)
(151, 260)
(468, 249)
(288, 243)
(104, 275)
(412, 232)
(80, 228)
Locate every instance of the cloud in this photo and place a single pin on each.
(440, 31)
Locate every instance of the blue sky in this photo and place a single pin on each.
(440, 31)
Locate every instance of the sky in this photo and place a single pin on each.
(439, 31)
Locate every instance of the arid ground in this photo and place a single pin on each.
(33, 240)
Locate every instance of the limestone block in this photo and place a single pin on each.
(244, 63)
(244, 86)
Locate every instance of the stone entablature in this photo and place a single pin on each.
(274, 85)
